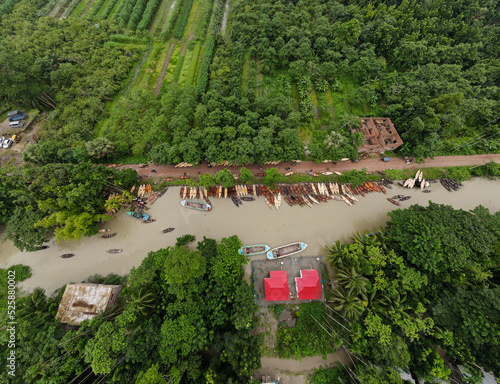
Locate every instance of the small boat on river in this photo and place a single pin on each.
(196, 205)
(67, 255)
(327, 173)
(393, 201)
(286, 250)
(114, 250)
(427, 191)
(42, 248)
(235, 201)
(104, 230)
(247, 198)
(251, 250)
(108, 235)
(139, 215)
(397, 197)
(148, 221)
(168, 230)
(405, 198)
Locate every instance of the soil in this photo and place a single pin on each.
(159, 82)
(372, 164)
(15, 152)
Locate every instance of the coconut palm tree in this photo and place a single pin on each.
(365, 238)
(348, 303)
(349, 278)
(143, 300)
(334, 253)
(333, 140)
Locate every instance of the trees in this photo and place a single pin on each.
(246, 176)
(272, 177)
(225, 178)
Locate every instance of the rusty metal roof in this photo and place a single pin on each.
(84, 301)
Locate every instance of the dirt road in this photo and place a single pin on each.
(373, 164)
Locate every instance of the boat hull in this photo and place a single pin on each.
(286, 250)
(67, 255)
(114, 250)
(196, 205)
(138, 215)
(251, 250)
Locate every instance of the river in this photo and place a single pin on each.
(253, 222)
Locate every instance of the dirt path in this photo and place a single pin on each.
(159, 82)
(370, 164)
(87, 8)
(224, 18)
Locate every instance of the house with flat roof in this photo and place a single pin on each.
(84, 301)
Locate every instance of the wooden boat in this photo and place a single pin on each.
(169, 179)
(108, 236)
(139, 215)
(67, 255)
(148, 221)
(427, 191)
(405, 198)
(286, 250)
(184, 177)
(338, 173)
(393, 201)
(196, 205)
(313, 174)
(235, 201)
(327, 173)
(397, 197)
(168, 230)
(104, 230)
(114, 250)
(247, 198)
(42, 247)
(251, 250)
(289, 173)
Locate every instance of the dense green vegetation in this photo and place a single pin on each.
(428, 280)
(186, 315)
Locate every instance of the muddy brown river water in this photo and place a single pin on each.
(253, 222)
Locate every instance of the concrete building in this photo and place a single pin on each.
(84, 301)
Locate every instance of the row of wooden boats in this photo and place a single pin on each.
(70, 255)
(276, 253)
(144, 189)
(449, 184)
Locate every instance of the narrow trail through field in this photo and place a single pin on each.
(224, 18)
(137, 70)
(87, 8)
(159, 82)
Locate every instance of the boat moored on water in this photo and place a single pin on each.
(393, 201)
(235, 201)
(114, 250)
(168, 230)
(427, 191)
(104, 230)
(247, 198)
(196, 205)
(286, 250)
(108, 236)
(251, 250)
(138, 215)
(405, 198)
(67, 255)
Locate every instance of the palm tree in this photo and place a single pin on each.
(334, 139)
(348, 303)
(142, 300)
(365, 239)
(350, 279)
(334, 253)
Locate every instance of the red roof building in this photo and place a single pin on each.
(308, 285)
(277, 286)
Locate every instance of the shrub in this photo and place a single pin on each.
(183, 19)
(354, 177)
(95, 8)
(201, 84)
(148, 14)
(489, 169)
(124, 14)
(204, 19)
(173, 17)
(107, 10)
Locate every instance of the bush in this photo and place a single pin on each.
(173, 18)
(458, 173)
(136, 14)
(329, 376)
(201, 84)
(95, 8)
(204, 20)
(489, 169)
(105, 13)
(148, 14)
(218, 15)
(354, 177)
(124, 14)
(183, 19)
(184, 240)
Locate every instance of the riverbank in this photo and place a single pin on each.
(253, 222)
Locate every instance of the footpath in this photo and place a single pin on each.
(306, 166)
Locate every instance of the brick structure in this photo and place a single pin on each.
(379, 135)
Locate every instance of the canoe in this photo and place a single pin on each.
(338, 173)
(168, 230)
(139, 215)
(289, 173)
(108, 236)
(427, 191)
(327, 173)
(67, 255)
(397, 197)
(393, 201)
(196, 205)
(251, 250)
(114, 250)
(104, 230)
(183, 177)
(235, 201)
(246, 198)
(148, 221)
(42, 247)
(286, 250)
(405, 198)
(169, 179)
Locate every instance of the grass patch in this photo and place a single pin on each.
(187, 62)
(198, 65)
(178, 68)
(115, 8)
(161, 13)
(80, 8)
(99, 13)
(194, 63)
(150, 66)
(190, 25)
(172, 66)
(19, 273)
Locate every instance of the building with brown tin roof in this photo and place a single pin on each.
(84, 301)
(379, 135)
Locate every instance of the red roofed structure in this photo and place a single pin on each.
(277, 286)
(308, 285)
